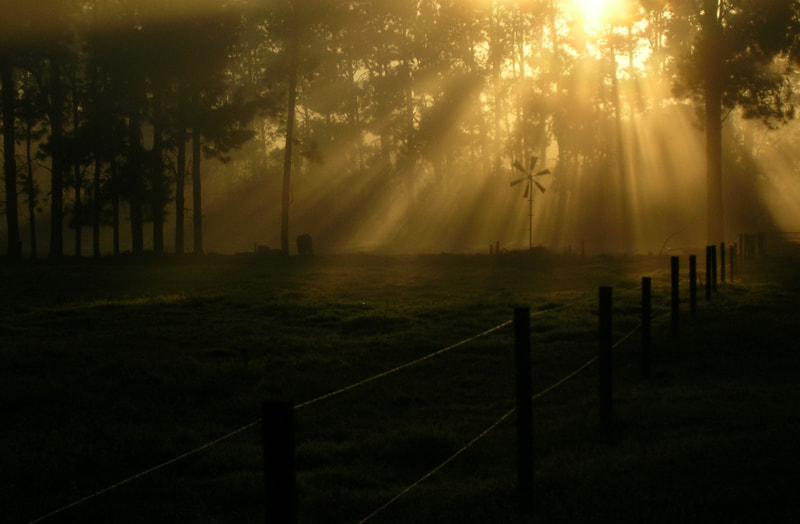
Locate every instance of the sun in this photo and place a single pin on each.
(596, 11)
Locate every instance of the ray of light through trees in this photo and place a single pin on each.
(163, 125)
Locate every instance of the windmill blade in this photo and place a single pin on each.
(540, 186)
(543, 172)
(515, 182)
(533, 162)
(516, 165)
(527, 188)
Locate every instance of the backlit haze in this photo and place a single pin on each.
(585, 87)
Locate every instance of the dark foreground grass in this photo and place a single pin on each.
(109, 368)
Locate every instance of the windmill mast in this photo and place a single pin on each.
(530, 214)
(529, 174)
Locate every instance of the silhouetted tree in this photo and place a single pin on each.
(9, 88)
(30, 123)
(737, 57)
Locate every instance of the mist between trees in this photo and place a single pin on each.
(186, 126)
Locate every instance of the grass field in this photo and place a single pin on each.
(111, 367)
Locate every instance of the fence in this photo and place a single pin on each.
(773, 243)
(278, 445)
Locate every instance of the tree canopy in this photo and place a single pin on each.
(384, 121)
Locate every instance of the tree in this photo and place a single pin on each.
(30, 123)
(8, 85)
(45, 30)
(215, 115)
(289, 24)
(739, 57)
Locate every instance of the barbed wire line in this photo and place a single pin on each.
(146, 472)
(439, 467)
(298, 406)
(491, 428)
(402, 366)
(255, 423)
(430, 356)
(471, 443)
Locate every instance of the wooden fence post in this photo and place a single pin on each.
(277, 423)
(714, 267)
(675, 263)
(522, 336)
(693, 285)
(646, 314)
(708, 272)
(605, 358)
(733, 260)
(722, 262)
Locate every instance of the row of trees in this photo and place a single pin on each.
(123, 96)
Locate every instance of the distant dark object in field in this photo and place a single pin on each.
(305, 245)
(263, 250)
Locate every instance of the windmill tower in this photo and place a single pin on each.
(530, 181)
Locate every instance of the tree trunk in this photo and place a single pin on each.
(57, 162)
(30, 188)
(10, 164)
(98, 170)
(294, 51)
(180, 181)
(78, 211)
(522, 114)
(135, 177)
(114, 169)
(77, 175)
(496, 53)
(197, 201)
(716, 232)
(713, 107)
(158, 184)
(624, 197)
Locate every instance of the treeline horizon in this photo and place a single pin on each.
(386, 122)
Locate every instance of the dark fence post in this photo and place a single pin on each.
(714, 267)
(733, 260)
(693, 284)
(675, 263)
(605, 358)
(646, 314)
(722, 262)
(277, 422)
(522, 336)
(708, 272)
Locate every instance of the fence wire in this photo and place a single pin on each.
(491, 428)
(350, 387)
(146, 472)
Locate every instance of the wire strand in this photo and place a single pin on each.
(298, 406)
(146, 472)
(489, 429)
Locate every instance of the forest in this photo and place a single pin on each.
(192, 126)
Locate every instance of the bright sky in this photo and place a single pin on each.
(597, 10)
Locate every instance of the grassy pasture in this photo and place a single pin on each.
(111, 367)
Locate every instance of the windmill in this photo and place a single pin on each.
(529, 178)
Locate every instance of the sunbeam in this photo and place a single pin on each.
(407, 125)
